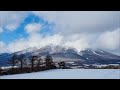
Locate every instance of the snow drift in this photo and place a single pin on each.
(69, 74)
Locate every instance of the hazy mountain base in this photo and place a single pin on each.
(65, 59)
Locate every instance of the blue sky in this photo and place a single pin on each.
(79, 29)
(20, 32)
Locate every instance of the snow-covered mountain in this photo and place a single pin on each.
(100, 56)
(28, 50)
(60, 53)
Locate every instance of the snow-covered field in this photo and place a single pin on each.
(69, 74)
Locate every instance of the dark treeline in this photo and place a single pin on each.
(34, 63)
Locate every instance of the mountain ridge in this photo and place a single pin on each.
(60, 53)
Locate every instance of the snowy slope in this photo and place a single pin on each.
(60, 53)
(99, 56)
(69, 74)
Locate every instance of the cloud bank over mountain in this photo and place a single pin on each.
(78, 29)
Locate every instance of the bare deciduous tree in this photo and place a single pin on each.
(22, 61)
(49, 61)
(33, 58)
(39, 62)
(13, 61)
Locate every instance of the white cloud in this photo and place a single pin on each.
(77, 44)
(78, 41)
(33, 28)
(12, 27)
(1, 44)
(68, 22)
(17, 45)
(1, 30)
(12, 19)
(78, 29)
(34, 40)
(2, 47)
(109, 40)
(85, 29)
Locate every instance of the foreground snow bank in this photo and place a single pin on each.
(69, 74)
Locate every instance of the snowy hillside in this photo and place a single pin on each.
(60, 53)
(69, 74)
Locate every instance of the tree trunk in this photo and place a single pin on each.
(32, 65)
(21, 65)
(13, 64)
(38, 67)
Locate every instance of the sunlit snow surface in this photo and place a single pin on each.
(69, 74)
